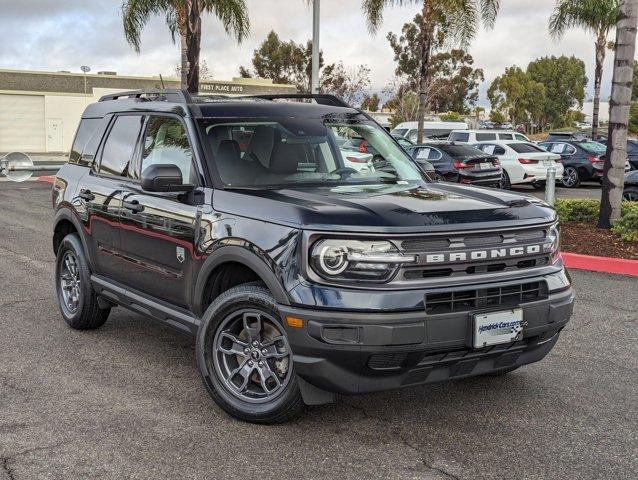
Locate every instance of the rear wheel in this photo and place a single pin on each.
(244, 357)
(439, 178)
(630, 194)
(77, 300)
(505, 183)
(570, 177)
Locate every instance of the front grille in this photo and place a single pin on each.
(472, 240)
(466, 300)
(474, 268)
(387, 361)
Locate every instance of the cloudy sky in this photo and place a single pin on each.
(62, 35)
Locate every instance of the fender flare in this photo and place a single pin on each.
(66, 214)
(232, 253)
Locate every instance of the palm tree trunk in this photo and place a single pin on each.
(427, 29)
(184, 60)
(614, 172)
(193, 41)
(601, 42)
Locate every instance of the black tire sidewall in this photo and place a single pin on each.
(72, 243)
(231, 300)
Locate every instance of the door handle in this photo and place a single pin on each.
(86, 195)
(134, 206)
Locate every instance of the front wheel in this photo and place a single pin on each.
(630, 194)
(244, 357)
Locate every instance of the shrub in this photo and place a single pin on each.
(581, 210)
(626, 228)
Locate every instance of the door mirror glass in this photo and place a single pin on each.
(164, 178)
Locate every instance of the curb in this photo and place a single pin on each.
(45, 179)
(600, 264)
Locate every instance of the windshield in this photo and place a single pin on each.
(296, 151)
(593, 147)
(399, 132)
(457, 151)
(525, 148)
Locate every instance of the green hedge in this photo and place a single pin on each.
(581, 210)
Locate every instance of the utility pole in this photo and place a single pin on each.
(315, 46)
(85, 69)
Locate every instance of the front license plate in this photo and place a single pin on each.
(498, 327)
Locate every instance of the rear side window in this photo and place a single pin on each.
(520, 137)
(85, 131)
(166, 143)
(485, 137)
(427, 153)
(505, 136)
(119, 147)
(459, 137)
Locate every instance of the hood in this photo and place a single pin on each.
(415, 208)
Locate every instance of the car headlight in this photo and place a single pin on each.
(552, 246)
(374, 260)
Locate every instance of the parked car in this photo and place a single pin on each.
(356, 160)
(567, 136)
(362, 146)
(522, 162)
(582, 160)
(632, 153)
(298, 276)
(474, 136)
(459, 163)
(630, 192)
(434, 130)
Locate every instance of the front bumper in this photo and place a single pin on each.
(359, 352)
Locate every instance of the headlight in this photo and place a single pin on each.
(374, 260)
(552, 246)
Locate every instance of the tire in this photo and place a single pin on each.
(570, 179)
(505, 182)
(238, 375)
(439, 178)
(630, 194)
(77, 300)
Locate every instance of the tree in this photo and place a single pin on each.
(564, 80)
(205, 72)
(184, 19)
(457, 20)
(595, 16)
(283, 62)
(517, 95)
(634, 89)
(451, 117)
(348, 83)
(402, 100)
(497, 116)
(621, 89)
(371, 103)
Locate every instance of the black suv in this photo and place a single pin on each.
(241, 222)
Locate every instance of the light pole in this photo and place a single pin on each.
(85, 70)
(315, 46)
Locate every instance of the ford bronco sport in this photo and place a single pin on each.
(302, 270)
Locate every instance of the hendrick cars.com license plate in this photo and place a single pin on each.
(498, 327)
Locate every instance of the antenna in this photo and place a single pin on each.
(162, 81)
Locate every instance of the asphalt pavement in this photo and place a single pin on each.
(126, 401)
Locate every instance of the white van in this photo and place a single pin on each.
(430, 129)
(473, 136)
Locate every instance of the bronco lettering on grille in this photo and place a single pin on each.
(489, 254)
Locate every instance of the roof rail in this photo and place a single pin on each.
(166, 95)
(322, 99)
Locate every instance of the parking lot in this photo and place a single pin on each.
(126, 401)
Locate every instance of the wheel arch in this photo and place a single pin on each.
(228, 255)
(64, 223)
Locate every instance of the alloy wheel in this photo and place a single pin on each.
(630, 195)
(252, 356)
(570, 177)
(70, 284)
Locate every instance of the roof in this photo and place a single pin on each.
(216, 106)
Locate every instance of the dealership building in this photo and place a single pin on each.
(39, 111)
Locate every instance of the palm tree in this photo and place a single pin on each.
(621, 86)
(456, 20)
(184, 18)
(595, 16)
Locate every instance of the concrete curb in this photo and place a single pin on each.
(46, 179)
(600, 264)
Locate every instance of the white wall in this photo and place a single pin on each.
(67, 108)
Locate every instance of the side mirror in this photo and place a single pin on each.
(164, 178)
(426, 167)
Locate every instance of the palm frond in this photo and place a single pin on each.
(373, 11)
(136, 14)
(232, 13)
(591, 15)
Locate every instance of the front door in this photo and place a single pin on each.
(158, 229)
(54, 135)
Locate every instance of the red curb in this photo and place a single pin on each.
(600, 264)
(46, 179)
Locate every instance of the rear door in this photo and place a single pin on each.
(101, 192)
(159, 228)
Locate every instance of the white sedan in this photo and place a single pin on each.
(522, 162)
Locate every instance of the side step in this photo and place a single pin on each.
(138, 302)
